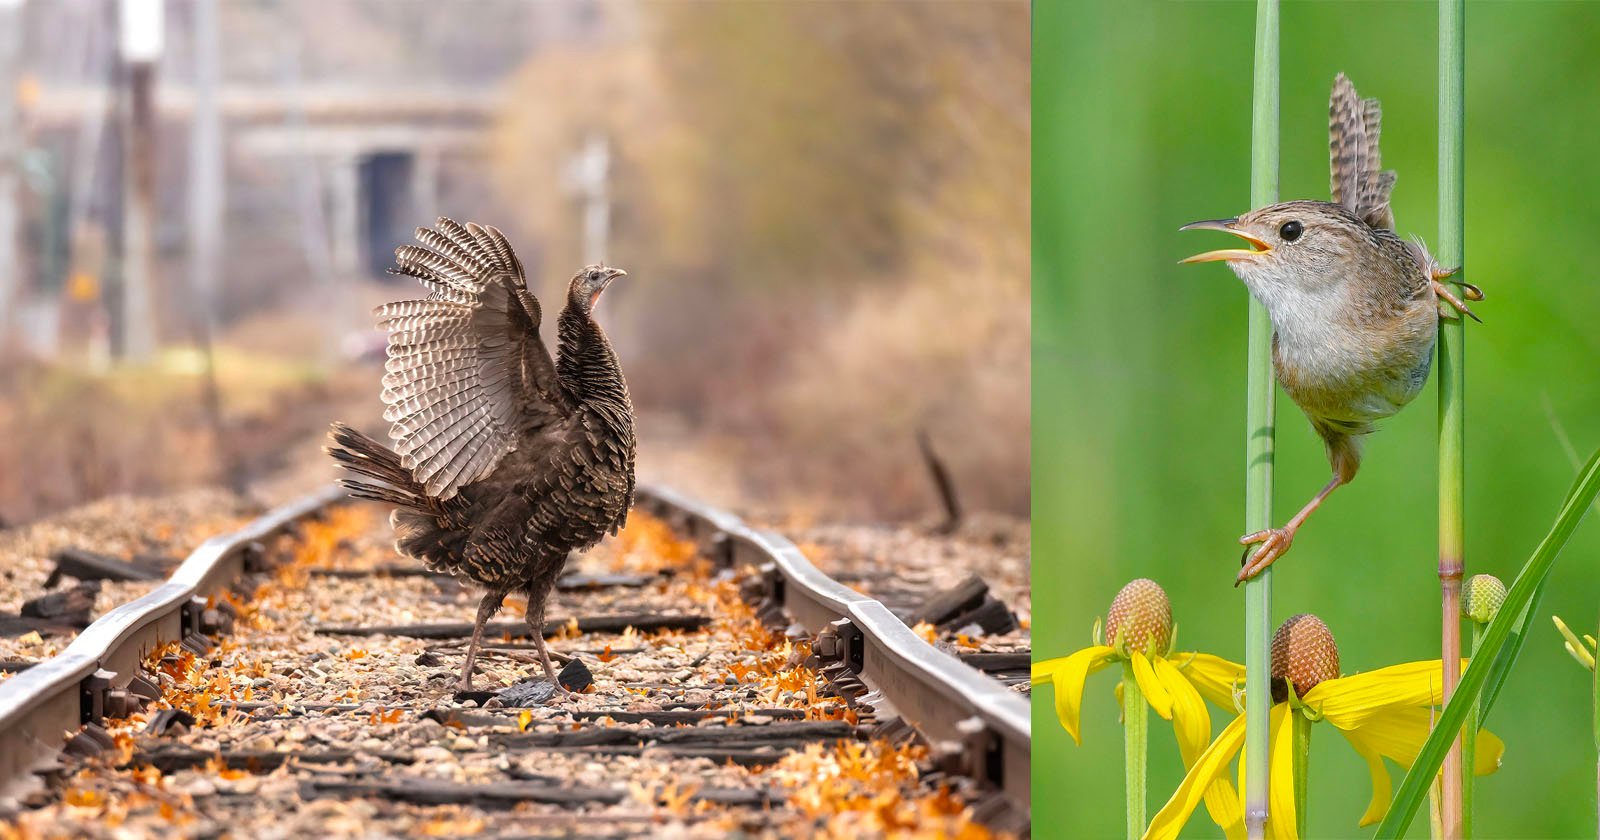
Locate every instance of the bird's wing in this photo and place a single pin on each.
(467, 371)
(1359, 181)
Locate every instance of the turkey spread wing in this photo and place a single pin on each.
(468, 375)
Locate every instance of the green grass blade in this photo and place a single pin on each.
(1513, 648)
(1414, 789)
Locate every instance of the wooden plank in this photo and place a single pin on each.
(567, 582)
(642, 622)
(964, 596)
(170, 758)
(508, 794)
(92, 565)
(1018, 661)
(739, 735)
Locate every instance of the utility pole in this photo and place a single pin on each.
(141, 27)
(588, 176)
(206, 208)
(10, 152)
(205, 169)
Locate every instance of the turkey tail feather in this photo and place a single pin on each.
(366, 457)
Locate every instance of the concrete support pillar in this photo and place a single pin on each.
(10, 150)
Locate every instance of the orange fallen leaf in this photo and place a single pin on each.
(83, 798)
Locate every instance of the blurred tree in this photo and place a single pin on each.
(825, 209)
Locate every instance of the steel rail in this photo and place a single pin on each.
(41, 705)
(960, 712)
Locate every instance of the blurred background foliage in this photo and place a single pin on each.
(823, 209)
(826, 206)
(1142, 123)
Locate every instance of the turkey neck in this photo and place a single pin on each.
(588, 366)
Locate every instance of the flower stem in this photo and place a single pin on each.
(1259, 433)
(1301, 750)
(1136, 737)
(1469, 746)
(1452, 382)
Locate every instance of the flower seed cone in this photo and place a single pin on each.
(1482, 598)
(1140, 619)
(1303, 654)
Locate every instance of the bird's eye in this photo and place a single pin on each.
(1290, 231)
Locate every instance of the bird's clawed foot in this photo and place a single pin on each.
(1274, 543)
(1470, 291)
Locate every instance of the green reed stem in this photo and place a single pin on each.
(1528, 584)
(1452, 381)
(1469, 746)
(1259, 433)
(1136, 740)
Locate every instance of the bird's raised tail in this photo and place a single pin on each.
(366, 457)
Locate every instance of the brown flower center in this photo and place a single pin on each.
(1303, 655)
(1140, 619)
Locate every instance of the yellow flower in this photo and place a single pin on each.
(1385, 713)
(1140, 629)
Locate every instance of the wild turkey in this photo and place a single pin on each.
(504, 461)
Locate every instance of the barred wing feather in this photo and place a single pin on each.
(458, 393)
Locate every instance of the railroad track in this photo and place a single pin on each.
(292, 677)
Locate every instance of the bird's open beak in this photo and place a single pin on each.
(1226, 225)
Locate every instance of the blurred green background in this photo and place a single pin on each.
(1141, 124)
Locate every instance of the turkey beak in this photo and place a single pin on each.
(1227, 226)
(614, 273)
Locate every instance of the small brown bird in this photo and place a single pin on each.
(1355, 309)
(504, 461)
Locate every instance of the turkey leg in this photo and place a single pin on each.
(538, 596)
(486, 609)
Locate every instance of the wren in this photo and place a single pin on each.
(1355, 309)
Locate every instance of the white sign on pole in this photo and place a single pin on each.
(142, 24)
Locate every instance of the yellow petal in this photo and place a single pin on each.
(1281, 820)
(1210, 766)
(1213, 676)
(1347, 701)
(1044, 671)
(1068, 675)
(1191, 723)
(1190, 720)
(1382, 788)
(1397, 733)
(1490, 750)
(1154, 692)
